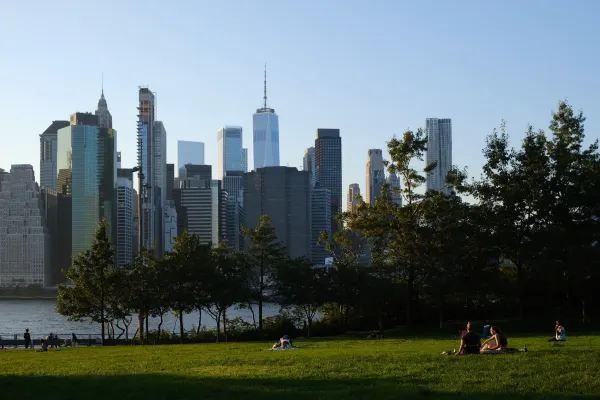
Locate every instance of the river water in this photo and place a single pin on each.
(41, 318)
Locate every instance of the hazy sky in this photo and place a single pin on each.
(371, 68)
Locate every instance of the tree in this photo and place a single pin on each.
(265, 253)
(574, 184)
(182, 266)
(302, 288)
(225, 282)
(90, 278)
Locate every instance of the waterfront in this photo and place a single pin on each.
(41, 318)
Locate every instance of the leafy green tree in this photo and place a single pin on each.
(574, 186)
(225, 281)
(182, 266)
(265, 254)
(302, 288)
(90, 282)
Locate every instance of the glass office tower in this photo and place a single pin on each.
(266, 134)
(229, 143)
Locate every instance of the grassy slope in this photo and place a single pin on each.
(320, 369)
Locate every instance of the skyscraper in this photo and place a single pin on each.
(48, 151)
(375, 175)
(308, 164)
(232, 184)
(320, 222)
(393, 182)
(266, 134)
(352, 200)
(23, 238)
(439, 150)
(328, 165)
(244, 160)
(229, 148)
(86, 162)
(125, 217)
(152, 162)
(284, 194)
(189, 152)
(104, 116)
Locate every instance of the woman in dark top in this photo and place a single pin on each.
(497, 342)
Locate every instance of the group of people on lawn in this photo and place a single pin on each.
(470, 341)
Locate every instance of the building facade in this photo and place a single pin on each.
(328, 166)
(125, 217)
(189, 152)
(308, 164)
(393, 181)
(439, 150)
(48, 153)
(320, 223)
(375, 175)
(86, 163)
(353, 197)
(23, 238)
(229, 150)
(284, 194)
(265, 123)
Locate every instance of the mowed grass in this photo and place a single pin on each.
(319, 369)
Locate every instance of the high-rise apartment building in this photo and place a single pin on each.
(439, 150)
(23, 238)
(152, 161)
(125, 217)
(320, 222)
(328, 165)
(308, 164)
(48, 151)
(353, 198)
(189, 152)
(229, 148)
(266, 134)
(86, 162)
(284, 194)
(375, 175)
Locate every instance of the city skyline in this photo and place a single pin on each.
(315, 79)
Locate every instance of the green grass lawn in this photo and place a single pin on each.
(319, 369)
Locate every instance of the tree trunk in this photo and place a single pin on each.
(141, 326)
(160, 328)
(225, 324)
(253, 317)
(181, 325)
(199, 321)
(218, 326)
(260, 296)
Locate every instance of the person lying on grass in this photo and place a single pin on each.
(470, 341)
(283, 343)
(496, 343)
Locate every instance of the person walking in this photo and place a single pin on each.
(27, 337)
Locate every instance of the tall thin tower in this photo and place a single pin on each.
(266, 134)
(439, 150)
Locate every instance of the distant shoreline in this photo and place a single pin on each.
(28, 294)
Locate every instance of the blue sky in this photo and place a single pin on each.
(370, 68)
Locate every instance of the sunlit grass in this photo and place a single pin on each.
(327, 369)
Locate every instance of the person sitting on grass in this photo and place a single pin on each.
(560, 334)
(283, 343)
(470, 341)
(44, 345)
(496, 343)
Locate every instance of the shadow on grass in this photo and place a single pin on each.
(156, 386)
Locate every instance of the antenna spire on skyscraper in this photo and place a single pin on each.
(265, 96)
(102, 84)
